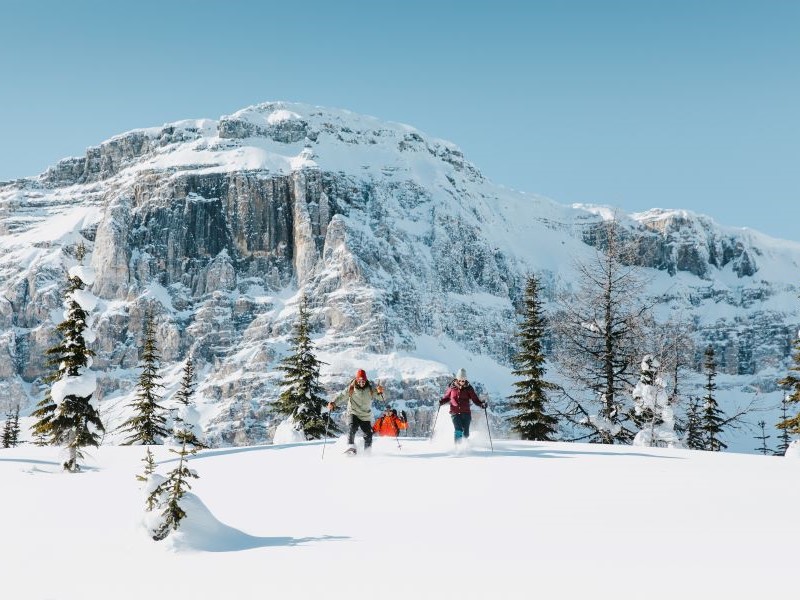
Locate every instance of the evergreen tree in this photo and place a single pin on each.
(170, 492)
(5, 440)
(66, 415)
(11, 428)
(763, 448)
(149, 467)
(713, 419)
(532, 420)
(784, 438)
(43, 413)
(791, 383)
(147, 426)
(652, 410)
(694, 427)
(300, 399)
(184, 426)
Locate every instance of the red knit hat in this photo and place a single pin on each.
(361, 374)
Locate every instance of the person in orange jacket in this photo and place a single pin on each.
(389, 423)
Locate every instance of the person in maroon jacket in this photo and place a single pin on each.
(459, 394)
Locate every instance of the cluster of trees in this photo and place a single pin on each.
(67, 417)
(599, 334)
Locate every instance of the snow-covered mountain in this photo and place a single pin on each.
(412, 260)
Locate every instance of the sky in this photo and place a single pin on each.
(634, 104)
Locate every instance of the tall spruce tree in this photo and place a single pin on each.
(763, 448)
(791, 383)
(532, 418)
(66, 415)
(147, 425)
(713, 419)
(694, 427)
(300, 399)
(784, 437)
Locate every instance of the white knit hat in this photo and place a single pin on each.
(462, 374)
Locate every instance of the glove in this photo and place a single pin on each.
(485, 405)
(403, 415)
(379, 389)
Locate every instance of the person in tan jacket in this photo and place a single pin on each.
(359, 394)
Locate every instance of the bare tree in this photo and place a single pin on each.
(600, 332)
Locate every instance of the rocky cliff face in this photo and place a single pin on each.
(412, 261)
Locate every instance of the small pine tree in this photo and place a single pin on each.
(300, 399)
(147, 426)
(149, 467)
(792, 383)
(763, 448)
(6, 437)
(784, 437)
(184, 399)
(11, 428)
(73, 421)
(694, 427)
(652, 410)
(532, 420)
(713, 419)
(170, 492)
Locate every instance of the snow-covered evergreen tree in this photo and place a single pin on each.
(532, 418)
(652, 408)
(694, 427)
(147, 425)
(186, 416)
(169, 493)
(300, 400)
(791, 383)
(763, 448)
(67, 416)
(713, 419)
(11, 428)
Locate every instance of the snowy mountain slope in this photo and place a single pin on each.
(565, 520)
(414, 262)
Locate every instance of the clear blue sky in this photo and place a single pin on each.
(633, 103)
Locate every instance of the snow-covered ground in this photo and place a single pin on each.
(528, 520)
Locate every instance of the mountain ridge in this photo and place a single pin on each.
(400, 241)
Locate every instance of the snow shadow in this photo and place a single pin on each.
(438, 450)
(31, 461)
(201, 531)
(227, 451)
(545, 452)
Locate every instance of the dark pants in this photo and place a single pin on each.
(461, 425)
(365, 426)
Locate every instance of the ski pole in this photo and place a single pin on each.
(433, 427)
(489, 429)
(325, 440)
